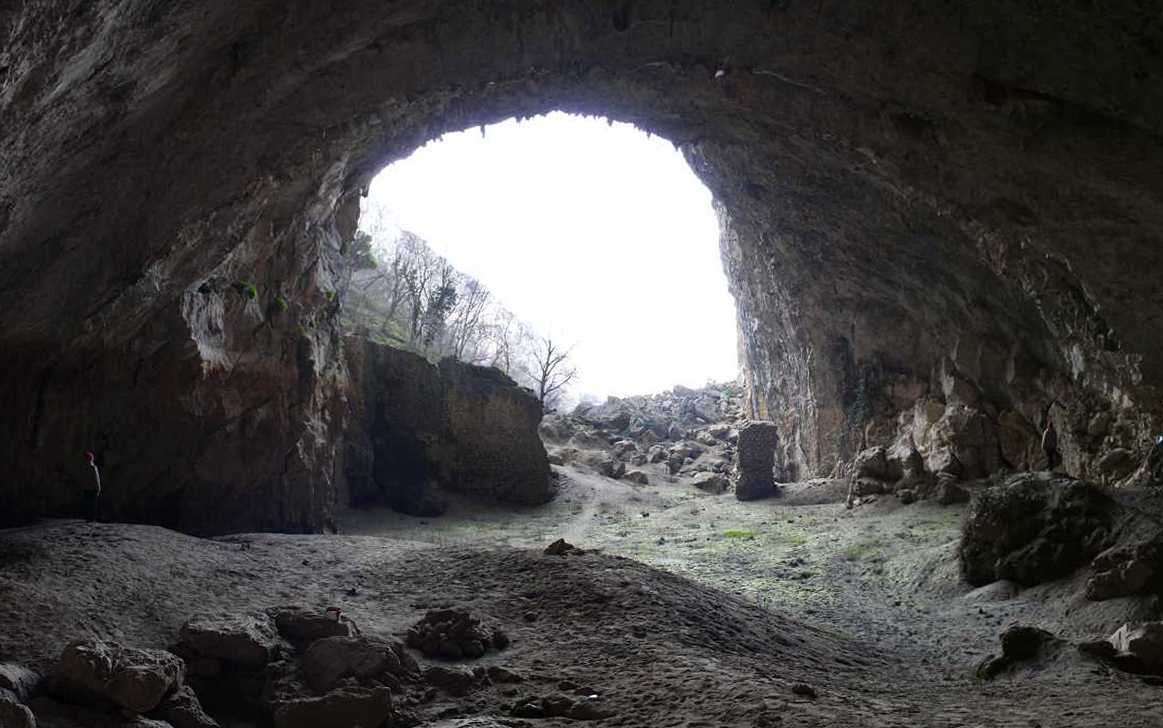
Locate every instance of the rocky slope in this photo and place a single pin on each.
(919, 205)
(683, 431)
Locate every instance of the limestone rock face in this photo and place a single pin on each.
(418, 431)
(971, 217)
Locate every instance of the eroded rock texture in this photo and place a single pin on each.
(419, 431)
(907, 193)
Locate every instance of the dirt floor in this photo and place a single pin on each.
(688, 609)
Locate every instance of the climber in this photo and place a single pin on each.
(1050, 445)
(92, 487)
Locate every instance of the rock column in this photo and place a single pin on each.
(758, 443)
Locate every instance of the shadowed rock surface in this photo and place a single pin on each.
(418, 432)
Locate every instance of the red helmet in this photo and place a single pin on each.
(89, 455)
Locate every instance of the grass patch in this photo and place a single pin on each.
(738, 533)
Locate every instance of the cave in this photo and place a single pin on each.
(941, 210)
(906, 197)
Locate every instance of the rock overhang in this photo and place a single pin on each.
(980, 184)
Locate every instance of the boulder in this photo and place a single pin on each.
(657, 454)
(675, 431)
(874, 463)
(14, 714)
(868, 486)
(346, 707)
(1019, 643)
(706, 438)
(243, 639)
(1032, 529)
(453, 634)
(1125, 571)
(949, 492)
(710, 482)
(675, 461)
(614, 414)
(605, 464)
(719, 431)
(181, 709)
(623, 449)
(758, 442)
(964, 442)
(637, 476)
(454, 680)
(331, 659)
(302, 626)
(1142, 641)
(20, 680)
(134, 679)
(560, 547)
(1116, 464)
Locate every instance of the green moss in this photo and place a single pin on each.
(281, 303)
(329, 295)
(248, 289)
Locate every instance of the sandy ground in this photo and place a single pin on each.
(688, 610)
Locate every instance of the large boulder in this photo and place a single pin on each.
(1032, 529)
(754, 477)
(710, 482)
(614, 414)
(244, 639)
(21, 681)
(181, 709)
(302, 626)
(453, 634)
(346, 707)
(1019, 643)
(331, 659)
(874, 463)
(637, 476)
(14, 714)
(134, 679)
(1141, 641)
(1126, 570)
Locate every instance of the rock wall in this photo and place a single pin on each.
(901, 188)
(418, 432)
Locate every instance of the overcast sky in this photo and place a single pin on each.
(594, 233)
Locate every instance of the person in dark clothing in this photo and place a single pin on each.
(92, 488)
(1050, 446)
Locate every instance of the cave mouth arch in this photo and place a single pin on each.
(954, 213)
(588, 231)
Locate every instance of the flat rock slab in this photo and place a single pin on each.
(244, 639)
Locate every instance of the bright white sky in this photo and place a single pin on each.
(595, 233)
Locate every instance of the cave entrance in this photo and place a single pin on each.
(594, 237)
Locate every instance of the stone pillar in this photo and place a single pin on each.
(758, 442)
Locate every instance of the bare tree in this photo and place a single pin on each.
(551, 371)
(467, 320)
